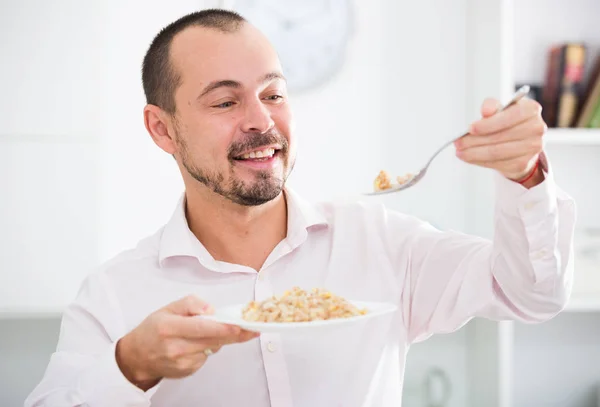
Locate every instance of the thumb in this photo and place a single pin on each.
(188, 306)
(489, 107)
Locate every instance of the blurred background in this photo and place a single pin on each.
(374, 85)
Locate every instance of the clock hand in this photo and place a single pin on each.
(287, 22)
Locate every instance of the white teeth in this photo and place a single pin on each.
(266, 153)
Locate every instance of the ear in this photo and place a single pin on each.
(160, 127)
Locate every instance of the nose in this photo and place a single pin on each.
(257, 118)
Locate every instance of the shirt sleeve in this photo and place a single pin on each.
(523, 274)
(83, 370)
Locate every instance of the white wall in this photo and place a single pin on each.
(51, 114)
(425, 86)
(140, 184)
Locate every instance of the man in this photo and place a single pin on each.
(217, 102)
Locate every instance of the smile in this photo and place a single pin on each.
(263, 154)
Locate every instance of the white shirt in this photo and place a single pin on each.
(361, 251)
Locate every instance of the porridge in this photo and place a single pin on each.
(403, 179)
(298, 305)
(383, 180)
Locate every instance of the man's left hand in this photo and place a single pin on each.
(509, 141)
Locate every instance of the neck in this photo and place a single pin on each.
(233, 233)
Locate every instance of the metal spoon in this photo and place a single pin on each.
(523, 91)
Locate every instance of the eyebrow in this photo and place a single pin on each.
(229, 83)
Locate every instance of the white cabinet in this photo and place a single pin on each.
(555, 363)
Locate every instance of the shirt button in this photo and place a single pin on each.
(261, 276)
(271, 347)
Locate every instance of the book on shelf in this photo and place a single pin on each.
(590, 112)
(567, 99)
(563, 86)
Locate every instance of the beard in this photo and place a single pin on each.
(264, 188)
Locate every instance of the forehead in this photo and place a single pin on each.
(201, 55)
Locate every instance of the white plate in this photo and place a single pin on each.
(233, 315)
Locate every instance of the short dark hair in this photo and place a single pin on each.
(159, 77)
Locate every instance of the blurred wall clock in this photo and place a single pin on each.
(310, 36)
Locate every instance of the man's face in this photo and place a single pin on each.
(233, 121)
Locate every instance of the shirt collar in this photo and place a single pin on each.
(177, 240)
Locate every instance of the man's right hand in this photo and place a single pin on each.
(170, 343)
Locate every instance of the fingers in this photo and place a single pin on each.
(215, 344)
(183, 322)
(489, 154)
(245, 336)
(207, 331)
(198, 349)
(188, 306)
(489, 107)
(520, 131)
(186, 363)
(198, 328)
(523, 139)
(510, 117)
(180, 347)
(509, 141)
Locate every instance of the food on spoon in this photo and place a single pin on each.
(298, 305)
(382, 181)
(403, 179)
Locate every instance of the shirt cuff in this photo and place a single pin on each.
(530, 204)
(105, 385)
(538, 210)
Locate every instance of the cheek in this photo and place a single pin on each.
(212, 139)
(222, 137)
(284, 122)
(215, 148)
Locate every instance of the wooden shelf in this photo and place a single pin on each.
(573, 136)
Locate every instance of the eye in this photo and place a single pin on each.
(274, 97)
(224, 105)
